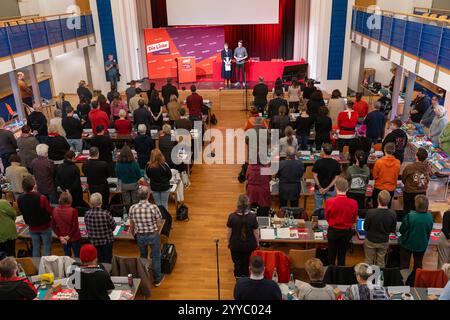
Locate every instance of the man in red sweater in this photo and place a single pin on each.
(98, 118)
(361, 107)
(341, 213)
(195, 103)
(347, 122)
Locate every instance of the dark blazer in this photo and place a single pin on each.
(143, 116)
(159, 178)
(290, 174)
(68, 178)
(166, 146)
(105, 146)
(167, 91)
(57, 148)
(260, 92)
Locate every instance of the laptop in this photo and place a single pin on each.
(263, 222)
(360, 229)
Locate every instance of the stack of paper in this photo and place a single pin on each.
(267, 234)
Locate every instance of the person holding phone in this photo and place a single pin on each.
(240, 55)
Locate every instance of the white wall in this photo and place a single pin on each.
(45, 7)
(67, 70)
(355, 58)
(406, 6)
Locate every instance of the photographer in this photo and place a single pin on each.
(112, 70)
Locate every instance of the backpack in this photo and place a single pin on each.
(168, 218)
(183, 213)
(214, 120)
(242, 175)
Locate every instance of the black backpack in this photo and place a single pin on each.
(168, 218)
(243, 173)
(214, 120)
(183, 213)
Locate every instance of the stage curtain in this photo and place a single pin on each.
(301, 37)
(266, 41)
(159, 13)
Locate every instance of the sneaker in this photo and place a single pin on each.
(157, 284)
(237, 84)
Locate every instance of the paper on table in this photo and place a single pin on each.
(397, 290)
(268, 234)
(283, 233)
(115, 295)
(435, 291)
(335, 153)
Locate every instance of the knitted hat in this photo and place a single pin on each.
(88, 253)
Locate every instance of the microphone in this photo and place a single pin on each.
(216, 240)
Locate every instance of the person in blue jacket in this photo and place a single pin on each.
(227, 67)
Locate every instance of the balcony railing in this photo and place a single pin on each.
(26, 34)
(423, 37)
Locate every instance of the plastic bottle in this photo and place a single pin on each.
(275, 275)
(382, 279)
(292, 283)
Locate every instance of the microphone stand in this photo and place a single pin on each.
(216, 241)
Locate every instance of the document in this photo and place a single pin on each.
(267, 234)
(399, 290)
(435, 291)
(284, 233)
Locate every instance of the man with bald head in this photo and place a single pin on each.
(290, 174)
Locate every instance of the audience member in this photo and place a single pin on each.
(74, 131)
(444, 241)
(323, 126)
(260, 92)
(173, 109)
(13, 287)
(347, 122)
(429, 115)
(129, 175)
(316, 289)
(100, 226)
(309, 89)
(98, 117)
(256, 287)
(62, 104)
(290, 174)
(375, 122)
(326, 171)
(303, 126)
(116, 105)
(361, 142)
(399, 138)
(104, 105)
(112, 94)
(336, 105)
(360, 106)
(44, 172)
(365, 290)
(131, 91)
(8, 144)
(160, 174)
(104, 144)
(83, 111)
(145, 223)
(57, 122)
(439, 123)
(379, 224)
(194, 103)
(65, 225)
(83, 91)
(289, 140)
(358, 176)
(143, 145)
(37, 213)
(315, 102)
(258, 186)
(294, 95)
(8, 231)
(183, 122)
(142, 116)
(386, 172)
(415, 233)
(38, 123)
(166, 144)
(419, 106)
(168, 91)
(243, 236)
(15, 174)
(156, 108)
(416, 177)
(275, 104)
(281, 121)
(97, 173)
(57, 145)
(341, 213)
(444, 139)
(123, 125)
(68, 179)
(27, 144)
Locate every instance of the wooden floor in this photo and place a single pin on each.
(211, 199)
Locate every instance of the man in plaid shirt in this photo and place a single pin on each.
(145, 223)
(100, 227)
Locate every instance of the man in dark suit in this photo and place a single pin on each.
(276, 103)
(104, 144)
(97, 173)
(168, 90)
(142, 116)
(260, 92)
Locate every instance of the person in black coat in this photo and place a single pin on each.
(290, 174)
(260, 92)
(375, 122)
(276, 103)
(83, 92)
(399, 138)
(57, 145)
(166, 145)
(143, 144)
(104, 144)
(142, 116)
(323, 127)
(83, 110)
(168, 90)
(68, 179)
(160, 175)
(361, 142)
(420, 106)
(97, 173)
(38, 123)
(315, 103)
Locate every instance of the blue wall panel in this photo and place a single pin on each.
(337, 39)
(4, 44)
(429, 46)
(18, 37)
(37, 35)
(412, 35)
(106, 28)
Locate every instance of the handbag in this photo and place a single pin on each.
(168, 258)
(182, 213)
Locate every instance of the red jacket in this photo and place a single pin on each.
(98, 118)
(123, 126)
(361, 108)
(341, 212)
(430, 279)
(347, 121)
(65, 222)
(195, 103)
(272, 260)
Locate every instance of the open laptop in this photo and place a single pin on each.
(360, 229)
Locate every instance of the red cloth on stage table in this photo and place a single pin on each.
(430, 279)
(341, 212)
(123, 126)
(98, 118)
(195, 103)
(272, 260)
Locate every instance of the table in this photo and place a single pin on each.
(270, 70)
(122, 290)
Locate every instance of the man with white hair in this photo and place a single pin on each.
(145, 222)
(440, 121)
(25, 92)
(57, 121)
(8, 144)
(100, 226)
(38, 123)
(143, 144)
(44, 172)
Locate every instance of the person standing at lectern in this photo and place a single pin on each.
(227, 65)
(240, 55)
(112, 71)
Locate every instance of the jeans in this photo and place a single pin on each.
(104, 253)
(319, 199)
(338, 241)
(303, 142)
(161, 198)
(113, 79)
(46, 237)
(375, 253)
(151, 239)
(240, 69)
(75, 144)
(69, 246)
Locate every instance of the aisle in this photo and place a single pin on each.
(211, 198)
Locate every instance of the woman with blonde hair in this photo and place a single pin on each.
(173, 109)
(160, 174)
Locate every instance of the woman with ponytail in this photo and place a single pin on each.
(243, 236)
(358, 177)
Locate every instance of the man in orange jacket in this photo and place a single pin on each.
(386, 172)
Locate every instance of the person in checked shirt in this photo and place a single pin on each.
(100, 226)
(145, 223)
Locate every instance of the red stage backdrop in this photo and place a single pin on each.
(165, 45)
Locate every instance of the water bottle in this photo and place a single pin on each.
(275, 275)
(124, 215)
(381, 279)
(291, 283)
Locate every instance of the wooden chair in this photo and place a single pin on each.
(426, 15)
(437, 218)
(443, 18)
(28, 266)
(434, 15)
(298, 258)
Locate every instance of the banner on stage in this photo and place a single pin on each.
(165, 46)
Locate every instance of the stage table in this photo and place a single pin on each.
(270, 70)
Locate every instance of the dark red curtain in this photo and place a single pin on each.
(266, 41)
